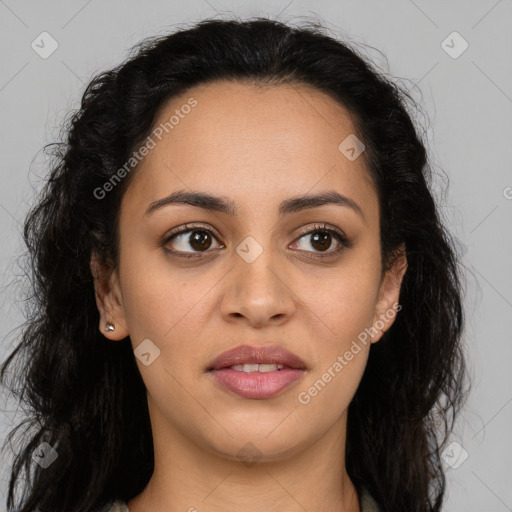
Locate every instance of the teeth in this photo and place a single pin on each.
(249, 368)
(255, 367)
(267, 368)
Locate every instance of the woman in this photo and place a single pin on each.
(244, 297)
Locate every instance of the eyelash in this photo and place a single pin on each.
(344, 241)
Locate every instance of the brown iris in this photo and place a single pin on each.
(322, 239)
(200, 240)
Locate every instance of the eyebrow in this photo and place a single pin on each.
(220, 204)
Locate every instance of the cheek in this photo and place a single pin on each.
(170, 313)
(342, 309)
(170, 307)
(343, 302)
(159, 297)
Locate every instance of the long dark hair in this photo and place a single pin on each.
(85, 394)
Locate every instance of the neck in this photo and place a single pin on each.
(189, 477)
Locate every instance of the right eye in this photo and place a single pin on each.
(198, 238)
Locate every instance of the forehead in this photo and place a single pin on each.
(252, 142)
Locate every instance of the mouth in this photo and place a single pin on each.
(251, 358)
(256, 372)
(256, 367)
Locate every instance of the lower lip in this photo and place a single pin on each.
(256, 385)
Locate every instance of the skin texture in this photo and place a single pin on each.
(256, 147)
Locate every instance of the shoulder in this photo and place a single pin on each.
(367, 502)
(116, 506)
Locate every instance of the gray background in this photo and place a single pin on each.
(468, 102)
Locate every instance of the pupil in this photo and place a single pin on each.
(320, 238)
(199, 238)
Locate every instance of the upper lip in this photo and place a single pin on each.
(246, 354)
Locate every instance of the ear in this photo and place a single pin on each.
(108, 299)
(389, 293)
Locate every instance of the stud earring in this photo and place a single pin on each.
(110, 327)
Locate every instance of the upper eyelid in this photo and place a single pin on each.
(180, 230)
(317, 226)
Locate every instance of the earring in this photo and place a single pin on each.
(110, 327)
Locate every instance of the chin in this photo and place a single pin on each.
(258, 445)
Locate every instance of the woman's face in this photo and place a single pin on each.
(258, 278)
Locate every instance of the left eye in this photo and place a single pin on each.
(321, 239)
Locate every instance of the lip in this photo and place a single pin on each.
(246, 354)
(257, 385)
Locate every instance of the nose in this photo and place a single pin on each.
(257, 293)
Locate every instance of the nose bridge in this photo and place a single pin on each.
(258, 289)
(256, 266)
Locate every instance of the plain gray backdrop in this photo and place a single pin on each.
(466, 94)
